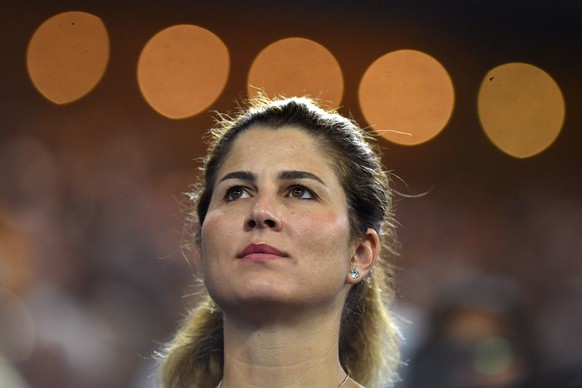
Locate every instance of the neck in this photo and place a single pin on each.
(292, 352)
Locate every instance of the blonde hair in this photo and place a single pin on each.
(368, 338)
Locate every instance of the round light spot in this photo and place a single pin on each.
(182, 70)
(493, 356)
(67, 56)
(521, 109)
(407, 97)
(297, 67)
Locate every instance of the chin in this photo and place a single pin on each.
(259, 303)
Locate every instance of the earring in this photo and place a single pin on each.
(355, 273)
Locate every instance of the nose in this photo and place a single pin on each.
(263, 214)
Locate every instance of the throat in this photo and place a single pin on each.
(293, 355)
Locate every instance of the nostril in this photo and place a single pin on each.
(251, 224)
(270, 223)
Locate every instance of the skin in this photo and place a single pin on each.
(281, 311)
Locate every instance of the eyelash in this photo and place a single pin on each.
(231, 189)
(301, 187)
(288, 192)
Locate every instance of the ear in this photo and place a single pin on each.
(366, 253)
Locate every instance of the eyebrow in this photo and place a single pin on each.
(284, 175)
(240, 175)
(290, 175)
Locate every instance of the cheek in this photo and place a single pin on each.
(212, 233)
(327, 234)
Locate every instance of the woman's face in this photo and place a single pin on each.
(277, 231)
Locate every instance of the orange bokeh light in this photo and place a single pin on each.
(296, 67)
(521, 109)
(67, 56)
(182, 70)
(407, 97)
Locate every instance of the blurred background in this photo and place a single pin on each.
(476, 106)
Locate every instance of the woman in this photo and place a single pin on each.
(291, 215)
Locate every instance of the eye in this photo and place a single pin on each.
(301, 193)
(236, 192)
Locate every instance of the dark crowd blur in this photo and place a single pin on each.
(92, 277)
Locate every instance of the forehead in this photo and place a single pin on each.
(286, 147)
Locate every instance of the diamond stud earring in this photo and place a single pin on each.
(355, 273)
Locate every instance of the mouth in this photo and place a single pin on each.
(261, 252)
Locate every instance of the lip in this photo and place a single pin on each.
(260, 252)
